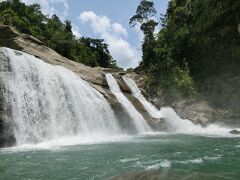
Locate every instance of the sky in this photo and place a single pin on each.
(105, 19)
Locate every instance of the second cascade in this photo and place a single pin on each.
(172, 122)
(138, 120)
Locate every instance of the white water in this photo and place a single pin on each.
(136, 92)
(52, 103)
(178, 125)
(174, 122)
(138, 120)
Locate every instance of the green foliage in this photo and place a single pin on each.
(55, 34)
(144, 12)
(216, 37)
(143, 16)
(198, 39)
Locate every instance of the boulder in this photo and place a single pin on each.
(235, 132)
(197, 111)
(163, 174)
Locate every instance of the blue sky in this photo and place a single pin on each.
(106, 19)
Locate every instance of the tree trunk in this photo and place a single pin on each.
(239, 28)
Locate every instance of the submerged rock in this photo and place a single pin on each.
(162, 175)
(235, 131)
(154, 175)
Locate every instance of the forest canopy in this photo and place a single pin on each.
(198, 39)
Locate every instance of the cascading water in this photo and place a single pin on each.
(178, 125)
(138, 120)
(173, 121)
(49, 102)
(136, 92)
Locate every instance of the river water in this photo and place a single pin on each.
(173, 156)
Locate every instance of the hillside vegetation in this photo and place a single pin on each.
(199, 39)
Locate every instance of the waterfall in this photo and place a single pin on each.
(136, 92)
(49, 102)
(138, 120)
(173, 122)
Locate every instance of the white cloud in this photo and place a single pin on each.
(139, 32)
(114, 34)
(99, 24)
(76, 31)
(50, 7)
(119, 29)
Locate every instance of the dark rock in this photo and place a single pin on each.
(164, 174)
(121, 83)
(7, 32)
(153, 122)
(151, 175)
(6, 132)
(235, 131)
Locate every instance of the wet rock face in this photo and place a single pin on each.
(6, 133)
(198, 112)
(219, 102)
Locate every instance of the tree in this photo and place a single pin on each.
(103, 56)
(144, 13)
(8, 17)
(68, 26)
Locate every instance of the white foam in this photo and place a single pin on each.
(163, 164)
(128, 160)
(185, 126)
(191, 161)
(211, 158)
(59, 143)
(138, 120)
